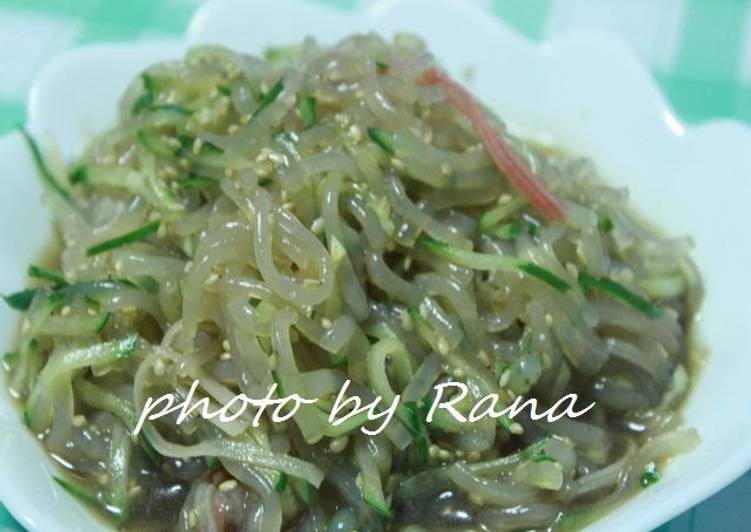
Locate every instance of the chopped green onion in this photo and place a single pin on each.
(56, 299)
(338, 360)
(605, 223)
(103, 322)
(545, 276)
(122, 240)
(619, 291)
(281, 481)
(212, 462)
(37, 272)
(10, 359)
(196, 182)
(154, 143)
(254, 302)
(408, 415)
(20, 300)
(179, 109)
(142, 102)
(268, 98)
(265, 181)
(92, 303)
(224, 89)
(382, 65)
(42, 168)
(650, 475)
(79, 174)
(532, 229)
(378, 505)
(540, 455)
(304, 490)
(146, 99)
(508, 231)
(79, 490)
(306, 106)
(382, 138)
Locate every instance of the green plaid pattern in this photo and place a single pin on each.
(698, 50)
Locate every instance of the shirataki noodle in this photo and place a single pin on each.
(326, 214)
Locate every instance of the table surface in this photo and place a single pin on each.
(699, 52)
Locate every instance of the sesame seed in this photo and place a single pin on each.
(65, 310)
(406, 320)
(515, 428)
(228, 485)
(443, 346)
(211, 279)
(446, 169)
(226, 346)
(458, 372)
(234, 128)
(197, 145)
(505, 377)
(225, 356)
(397, 163)
(337, 445)
(79, 421)
(159, 367)
(317, 226)
(326, 323)
(548, 319)
(355, 133)
(504, 199)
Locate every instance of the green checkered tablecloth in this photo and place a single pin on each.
(698, 50)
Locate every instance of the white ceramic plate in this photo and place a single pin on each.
(583, 90)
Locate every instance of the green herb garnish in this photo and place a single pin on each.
(20, 300)
(382, 138)
(619, 291)
(196, 182)
(281, 482)
(268, 98)
(42, 168)
(545, 276)
(649, 476)
(306, 106)
(122, 240)
(605, 223)
(508, 231)
(37, 272)
(79, 174)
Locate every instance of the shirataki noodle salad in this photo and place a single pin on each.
(347, 212)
